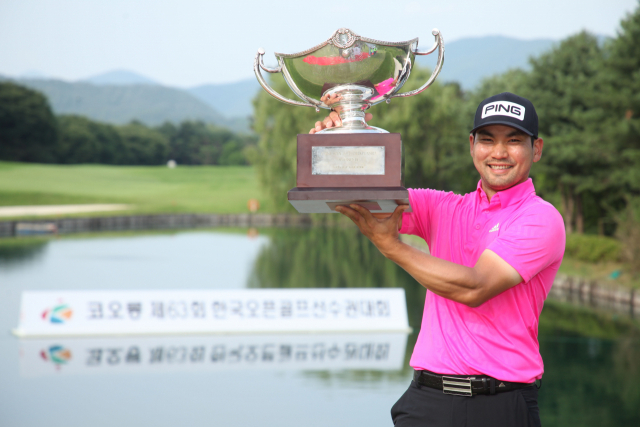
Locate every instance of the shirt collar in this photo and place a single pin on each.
(510, 195)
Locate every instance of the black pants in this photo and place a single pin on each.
(423, 406)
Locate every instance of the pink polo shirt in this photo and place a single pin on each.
(500, 337)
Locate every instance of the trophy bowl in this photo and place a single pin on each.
(362, 71)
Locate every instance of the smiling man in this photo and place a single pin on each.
(494, 255)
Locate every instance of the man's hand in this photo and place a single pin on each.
(333, 119)
(381, 229)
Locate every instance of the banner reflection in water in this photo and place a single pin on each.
(210, 353)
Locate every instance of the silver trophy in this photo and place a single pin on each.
(363, 71)
(353, 163)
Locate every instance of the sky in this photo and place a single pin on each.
(191, 42)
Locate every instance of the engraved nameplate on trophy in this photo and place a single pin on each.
(349, 160)
(380, 189)
(355, 162)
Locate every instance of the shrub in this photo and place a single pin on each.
(591, 248)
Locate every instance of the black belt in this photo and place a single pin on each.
(461, 385)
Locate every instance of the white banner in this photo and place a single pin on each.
(87, 313)
(206, 353)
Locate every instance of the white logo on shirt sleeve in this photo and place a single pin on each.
(495, 228)
(503, 108)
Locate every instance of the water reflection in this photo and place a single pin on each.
(590, 382)
(14, 252)
(331, 258)
(592, 359)
(135, 355)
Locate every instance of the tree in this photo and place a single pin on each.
(274, 156)
(623, 64)
(143, 146)
(628, 232)
(434, 126)
(82, 140)
(198, 143)
(567, 87)
(623, 71)
(28, 131)
(232, 154)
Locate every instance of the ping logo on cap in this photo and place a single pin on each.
(503, 108)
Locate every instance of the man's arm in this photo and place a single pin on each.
(470, 286)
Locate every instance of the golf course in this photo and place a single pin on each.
(146, 189)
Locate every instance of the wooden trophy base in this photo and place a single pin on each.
(341, 169)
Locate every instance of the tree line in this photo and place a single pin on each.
(30, 132)
(587, 95)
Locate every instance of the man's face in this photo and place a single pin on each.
(503, 156)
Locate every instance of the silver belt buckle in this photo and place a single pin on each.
(456, 386)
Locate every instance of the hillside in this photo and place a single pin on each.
(468, 61)
(231, 99)
(119, 77)
(120, 96)
(118, 104)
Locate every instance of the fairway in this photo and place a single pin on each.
(150, 189)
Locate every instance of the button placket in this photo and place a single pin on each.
(480, 213)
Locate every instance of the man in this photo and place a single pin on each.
(494, 255)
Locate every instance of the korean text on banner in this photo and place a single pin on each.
(88, 313)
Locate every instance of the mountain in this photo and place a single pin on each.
(231, 99)
(468, 61)
(119, 77)
(118, 104)
(33, 74)
(120, 96)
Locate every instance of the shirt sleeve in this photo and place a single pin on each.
(409, 225)
(532, 242)
(423, 202)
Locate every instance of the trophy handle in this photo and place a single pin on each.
(439, 44)
(257, 64)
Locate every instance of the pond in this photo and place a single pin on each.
(592, 359)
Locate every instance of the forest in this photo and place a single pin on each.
(30, 132)
(587, 95)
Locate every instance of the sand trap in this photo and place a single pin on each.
(6, 211)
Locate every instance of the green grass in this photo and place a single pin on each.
(150, 189)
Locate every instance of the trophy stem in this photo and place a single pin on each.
(354, 100)
(352, 116)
